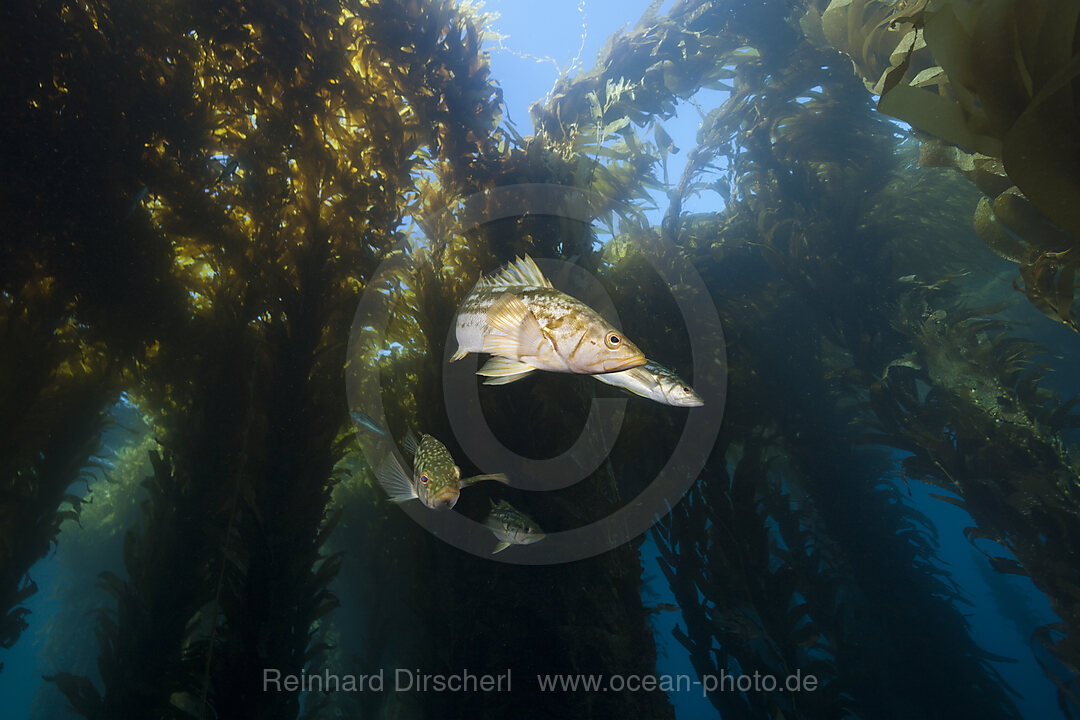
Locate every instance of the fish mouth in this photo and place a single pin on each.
(618, 364)
(445, 500)
(528, 539)
(692, 400)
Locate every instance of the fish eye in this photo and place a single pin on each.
(423, 480)
(685, 388)
(612, 340)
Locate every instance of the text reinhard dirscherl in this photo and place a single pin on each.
(403, 680)
(408, 680)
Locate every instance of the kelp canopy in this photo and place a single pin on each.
(196, 198)
(996, 84)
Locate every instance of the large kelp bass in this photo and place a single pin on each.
(520, 318)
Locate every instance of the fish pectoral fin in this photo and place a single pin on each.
(411, 443)
(458, 355)
(502, 370)
(394, 480)
(507, 313)
(498, 477)
(514, 329)
(500, 547)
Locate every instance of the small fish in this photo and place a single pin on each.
(655, 382)
(511, 526)
(138, 198)
(741, 622)
(364, 420)
(226, 171)
(520, 318)
(436, 480)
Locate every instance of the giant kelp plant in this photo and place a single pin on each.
(996, 86)
(818, 193)
(197, 198)
(236, 175)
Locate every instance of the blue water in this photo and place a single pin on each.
(992, 628)
(21, 675)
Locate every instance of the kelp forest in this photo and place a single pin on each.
(881, 202)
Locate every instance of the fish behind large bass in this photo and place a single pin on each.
(520, 318)
(656, 382)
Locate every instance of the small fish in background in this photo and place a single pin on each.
(364, 420)
(738, 621)
(518, 316)
(436, 481)
(136, 199)
(655, 382)
(511, 526)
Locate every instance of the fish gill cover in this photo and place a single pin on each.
(195, 199)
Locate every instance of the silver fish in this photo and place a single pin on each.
(520, 318)
(436, 480)
(511, 526)
(364, 420)
(655, 382)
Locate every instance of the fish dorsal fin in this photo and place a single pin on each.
(412, 444)
(523, 271)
